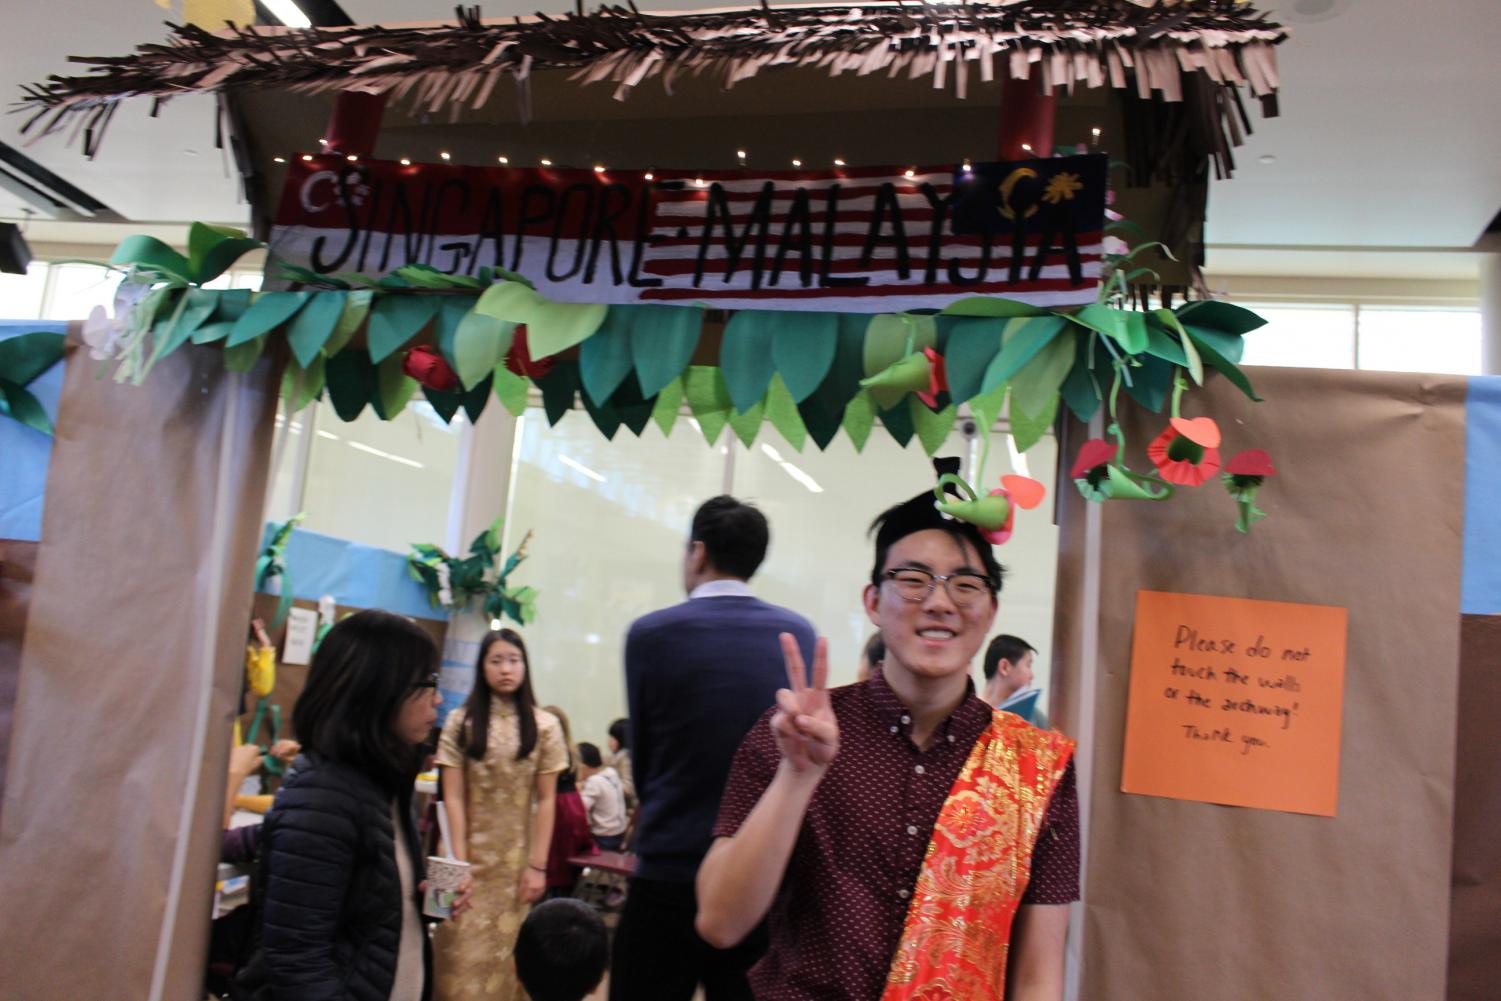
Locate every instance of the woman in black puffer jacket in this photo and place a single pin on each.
(341, 861)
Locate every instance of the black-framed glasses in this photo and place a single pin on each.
(429, 683)
(963, 588)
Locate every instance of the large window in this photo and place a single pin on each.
(69, 291)
(1383, 338)
(611, 521)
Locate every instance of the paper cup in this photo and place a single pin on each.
(443, 878)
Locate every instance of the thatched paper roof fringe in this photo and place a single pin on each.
(1154, 47)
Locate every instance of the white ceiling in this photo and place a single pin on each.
(1387, 137)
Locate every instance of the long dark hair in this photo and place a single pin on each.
(362, 673)
(477, 707)
(569, 772)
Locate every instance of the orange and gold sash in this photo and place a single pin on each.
(958, 932)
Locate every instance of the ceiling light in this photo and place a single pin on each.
(797, 163)
(740, 153)
(278, 159)
(1267, 158)
(599, 168)
(307, 156)
(575, 464)
(503, 159)
(385, 455)
(1027, 147)
(288, 13)
(838, 162)
(1095, 132)
(406, 161)
(909, 172)
(545, 162)
(445, 155)
(352, 158)
(649, 175)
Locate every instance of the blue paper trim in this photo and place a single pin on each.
(25, 453)
(355, 574)
(1480, 588)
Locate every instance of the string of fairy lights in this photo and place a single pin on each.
(741, 155)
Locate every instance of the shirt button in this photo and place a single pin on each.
(893, 729)
(903, 894)
(920, 769)
(911, 830)
(906, 719)
(951, 738)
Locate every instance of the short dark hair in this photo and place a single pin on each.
(1004, 647)
(361, 674)
(961, 531)
(875, 650)
(735, 535)
(561, 951)
(590, 756)
(621, 731)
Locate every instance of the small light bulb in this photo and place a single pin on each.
(503, 159)
(1095, 132)
(797, 163)
(545, 162)
(909, 172)
(740, 153)
(968, 167)
(649, 176)
(445, 155)
(307, 156)
(1027, 147)
(323, 142)
(279, 159)
(699, 181)
(838, 162)
(352, 158)
(406, 161)
(599, 168)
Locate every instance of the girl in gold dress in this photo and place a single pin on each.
(499, 758)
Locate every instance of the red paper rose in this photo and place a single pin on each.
(430, 369)
(519, 359)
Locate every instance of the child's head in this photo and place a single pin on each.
(561, 951)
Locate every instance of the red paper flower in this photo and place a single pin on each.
(430, 369)
(1095, 453)
(519, 358)
(1182, 460)
(1251, 462)
(938, 380)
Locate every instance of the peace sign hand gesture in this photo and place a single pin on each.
(806, 731)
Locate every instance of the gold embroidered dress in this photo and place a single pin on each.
(472, 953)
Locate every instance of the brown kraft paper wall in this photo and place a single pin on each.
(1475, 914)
(1187, 900)
(133, 656)
(17, 567)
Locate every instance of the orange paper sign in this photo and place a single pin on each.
(1236, 701)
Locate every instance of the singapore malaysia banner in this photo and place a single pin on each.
(860, 239)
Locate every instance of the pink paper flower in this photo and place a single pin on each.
(938, 380)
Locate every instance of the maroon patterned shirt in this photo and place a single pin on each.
(838, 917)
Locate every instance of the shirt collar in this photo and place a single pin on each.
(721, 589)
(962, 727)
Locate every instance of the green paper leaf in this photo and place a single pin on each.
(149, 253)
(27, 356)
(803, 347)
(932, 427)
(1160, 344)
(351, 382)
(605, 359)
(559, 387)
(301, 386)
(606, 417)
(475, 399)
(708, 399)
(396, 319)
(1024, 338)
(859, 419)
(971, 346)
(986, 408)
(1027, 429)
(1039, 379)
(513, 302)
(211, 332)
(444, 404)
(313, 325)
(1166, 318)
(745, 356)
(1125, 327)
(748, 424)
(267, 311)
(394, 388)
(356, 312)
(230, 305)
(1124, 487)
(898, 423)
(19, 403)
(479, 344)
(888, 335)
(664, 412)
(223, 256)
(1151, 382)
(1230, 347)
(192, 309)
(781, 412)
(202, 238)
(1078, 390)
(1224, 317)
(512, 390)
(992, 307)
(452, 309)
(242, 357)
(1222, 364)
(663, 339)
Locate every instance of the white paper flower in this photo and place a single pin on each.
(445, 590)
(101, 333)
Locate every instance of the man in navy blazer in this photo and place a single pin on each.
(698, 675)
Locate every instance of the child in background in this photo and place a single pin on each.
(604, 799)
(570, 828)
(562, 951)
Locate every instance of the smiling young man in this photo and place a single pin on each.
(905, 840)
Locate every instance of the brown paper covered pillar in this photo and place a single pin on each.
(129, 676)
(1191, 900)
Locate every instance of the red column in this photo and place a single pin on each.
(1026, 118)
(355, 123)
